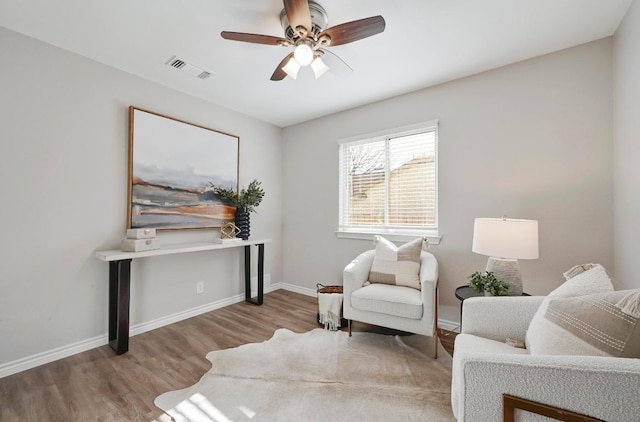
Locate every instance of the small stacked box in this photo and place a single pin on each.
(139, 240)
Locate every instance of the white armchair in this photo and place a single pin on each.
(398, 307)
(485, 368)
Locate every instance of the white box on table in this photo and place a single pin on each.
(141, 233)
(139, 245)
(226, 241)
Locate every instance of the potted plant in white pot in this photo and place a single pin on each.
(245, 201)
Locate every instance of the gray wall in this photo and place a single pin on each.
(530, 140)
(63, 184)
(627, 148)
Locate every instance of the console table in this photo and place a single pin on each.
(120, 280)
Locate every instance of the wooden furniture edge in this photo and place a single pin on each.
(511, 403)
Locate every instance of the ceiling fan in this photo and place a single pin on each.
(305, 28)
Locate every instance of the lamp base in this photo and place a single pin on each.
(508, 271)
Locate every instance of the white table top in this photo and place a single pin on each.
(117, 255)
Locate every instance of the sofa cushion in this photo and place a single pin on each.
(476, 344)
(396, 265)
(398, 301)
(544, 336)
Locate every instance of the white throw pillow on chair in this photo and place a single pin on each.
(396, 265)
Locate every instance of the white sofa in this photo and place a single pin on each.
(397, 307)
(485, 367)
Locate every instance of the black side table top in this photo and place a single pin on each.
(465, 292)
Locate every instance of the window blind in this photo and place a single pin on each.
(390, 181)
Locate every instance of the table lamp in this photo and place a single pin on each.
(505, 240)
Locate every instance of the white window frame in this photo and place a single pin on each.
(399, 234)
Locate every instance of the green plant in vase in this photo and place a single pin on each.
(489, 284)
(245, 201)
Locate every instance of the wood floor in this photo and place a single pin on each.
(99, 385)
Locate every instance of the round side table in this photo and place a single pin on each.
(465, 292)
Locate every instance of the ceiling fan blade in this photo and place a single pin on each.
(254, 38)
(298, 14)
(355, 30)
(280, 74)
(338, 66)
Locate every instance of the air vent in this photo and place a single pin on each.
(188, 68)
(177, 63)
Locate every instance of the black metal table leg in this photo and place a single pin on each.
(119, 297)
(260, 273)
(247, 275)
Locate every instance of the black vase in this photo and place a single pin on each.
(242, 222)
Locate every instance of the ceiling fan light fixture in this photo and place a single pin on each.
(303, 54)
(305, 25)
(291, 68)
(319, 67)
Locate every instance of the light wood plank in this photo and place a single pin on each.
(99, 385)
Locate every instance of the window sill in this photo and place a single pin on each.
(392, 235)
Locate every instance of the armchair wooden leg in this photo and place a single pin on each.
(435, 342)
(435, 335)
(349, 324)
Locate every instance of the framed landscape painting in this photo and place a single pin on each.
(173, 167)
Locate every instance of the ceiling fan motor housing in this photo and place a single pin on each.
(319, 22)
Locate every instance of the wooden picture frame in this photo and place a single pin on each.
(173, 166)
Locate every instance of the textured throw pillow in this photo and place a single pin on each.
(542, 333)
(396, 265)
(604, 324)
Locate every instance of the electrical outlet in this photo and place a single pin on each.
(200, 287)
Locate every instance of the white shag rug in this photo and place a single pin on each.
(320, 376)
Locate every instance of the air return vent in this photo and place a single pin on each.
(188, 68)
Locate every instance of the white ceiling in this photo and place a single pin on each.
(426, 42)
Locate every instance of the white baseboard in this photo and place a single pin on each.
(442, 323)
(48, 356)
(38, 359)
(297, 289)
(180, 316)
(190, 313)
(448, 325)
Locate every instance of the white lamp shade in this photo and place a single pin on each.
(291, 68)
(319, 67)
(505, 238)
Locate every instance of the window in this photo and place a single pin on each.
(388, 183)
